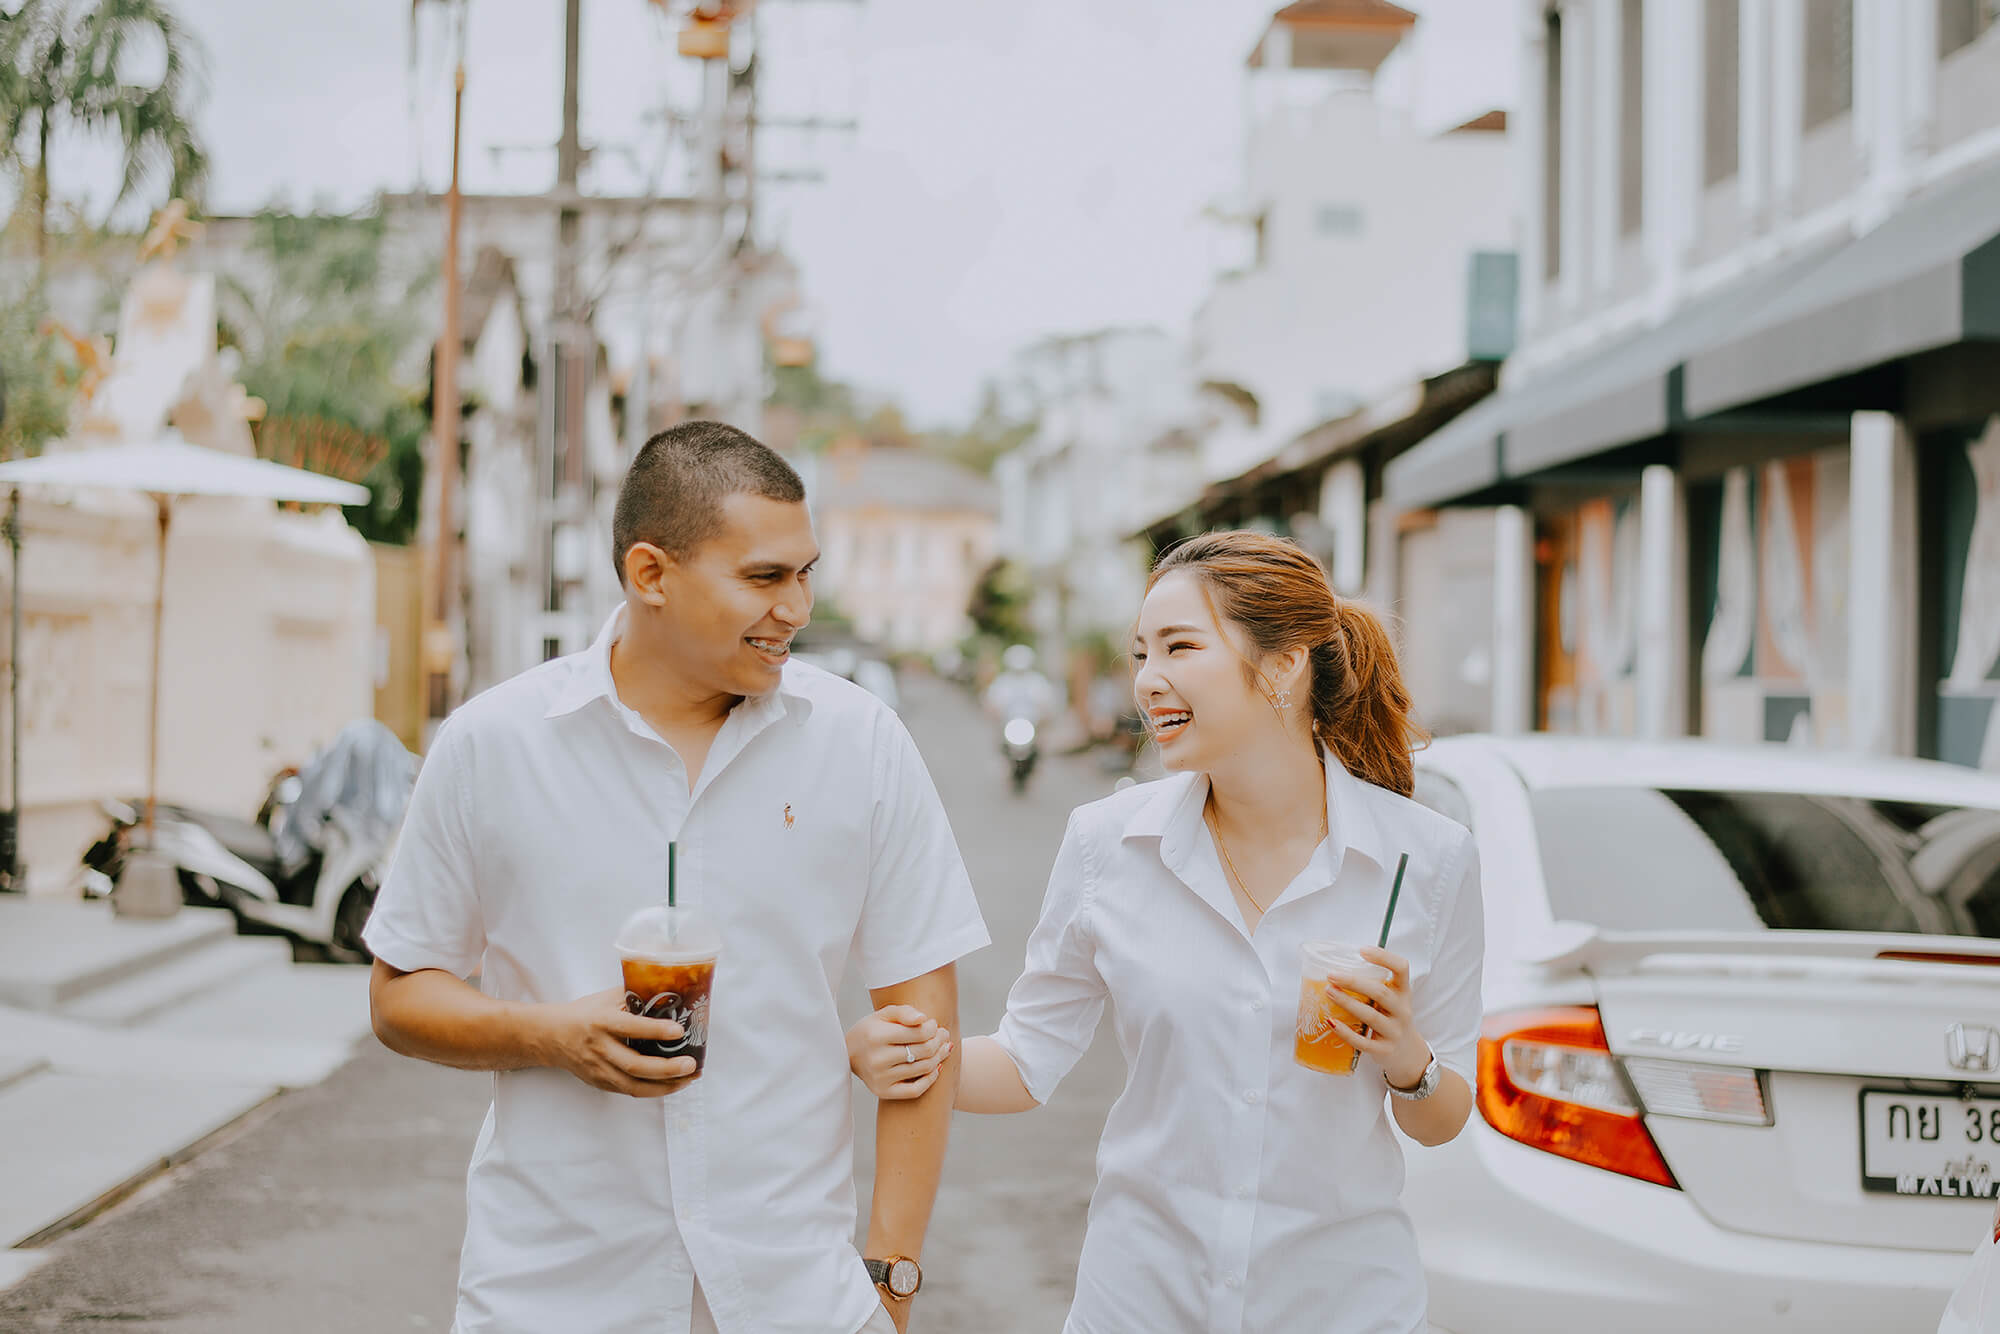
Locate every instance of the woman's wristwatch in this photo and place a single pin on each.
(1425, 1086)
(898, 1276)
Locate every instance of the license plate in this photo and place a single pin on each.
(1928, 1146)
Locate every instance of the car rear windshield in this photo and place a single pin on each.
(1652, 859)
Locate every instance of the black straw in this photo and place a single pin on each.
(1395, 890)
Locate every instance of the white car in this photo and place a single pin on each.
(1741, 1061)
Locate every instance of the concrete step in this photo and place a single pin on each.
(69, 1047)
(137, 997)
(318, 1004)
(53, 951)
(76, 1143)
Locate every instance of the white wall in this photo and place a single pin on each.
(267, 650)
(1368, 229)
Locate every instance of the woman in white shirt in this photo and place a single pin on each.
(1239, 1192)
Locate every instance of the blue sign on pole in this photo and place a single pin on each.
(1490, 301)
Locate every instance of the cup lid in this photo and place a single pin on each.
(669, 933)
(1320, 955)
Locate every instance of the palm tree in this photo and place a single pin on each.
(66, 64)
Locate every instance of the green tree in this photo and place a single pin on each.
(999, 605)
(70, 65)
(829, 410)
(39, 377)
(991, 433)
(326, 330)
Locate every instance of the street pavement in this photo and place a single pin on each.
(340, 1208)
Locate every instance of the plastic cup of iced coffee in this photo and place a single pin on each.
(669, 955)
(1317, 1046)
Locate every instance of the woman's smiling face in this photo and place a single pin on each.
(1189, 678)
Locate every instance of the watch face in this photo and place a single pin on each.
(904, 1276)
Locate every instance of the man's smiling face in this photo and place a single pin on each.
(733, 603)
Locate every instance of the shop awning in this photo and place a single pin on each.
(1379, 429)
(1622, 393)
(1928, 277)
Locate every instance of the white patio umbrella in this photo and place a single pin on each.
(166, 469)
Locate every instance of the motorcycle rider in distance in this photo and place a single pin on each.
(1020, 690)
(1020, 694)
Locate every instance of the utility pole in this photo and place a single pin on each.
(564, 471)
(440, 648)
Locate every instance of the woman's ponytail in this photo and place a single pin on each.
(1361, 708)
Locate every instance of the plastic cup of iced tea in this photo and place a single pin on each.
(669, 956)
(1316, 1045)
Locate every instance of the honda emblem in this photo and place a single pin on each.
(1972, 1048)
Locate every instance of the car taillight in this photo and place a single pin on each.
(1941, 956)
(1547, 1078)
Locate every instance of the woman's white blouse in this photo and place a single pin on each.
(1237, 1192)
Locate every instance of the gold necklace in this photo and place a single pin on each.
(1222, 846)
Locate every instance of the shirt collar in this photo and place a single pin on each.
(1350, 812)
(589, 679)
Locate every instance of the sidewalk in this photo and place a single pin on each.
(125, 1044)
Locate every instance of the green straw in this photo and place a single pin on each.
(673, 852)
(1395, 890)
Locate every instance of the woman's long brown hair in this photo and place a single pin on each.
(1280, 598)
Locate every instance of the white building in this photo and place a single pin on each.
(1745, 457)
(679, 323)
(905, 535)
(1373, 299)
(1357, 228)
(1110, 450)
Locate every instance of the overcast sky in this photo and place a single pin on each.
(1021, 168)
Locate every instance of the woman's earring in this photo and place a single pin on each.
(1284, 699)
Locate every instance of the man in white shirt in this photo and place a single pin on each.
(808, 830)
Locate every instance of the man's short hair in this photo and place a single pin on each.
(672, 495)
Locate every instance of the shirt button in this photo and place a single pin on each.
(1258, 1005)
(1242, 1192)
(1231, 1281)
(1252, 1096)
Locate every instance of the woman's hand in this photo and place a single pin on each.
(1393, 1042)
(896, 1052)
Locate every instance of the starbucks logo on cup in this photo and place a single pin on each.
(1318, 1011)
(1316, 1015)
(693, 1019)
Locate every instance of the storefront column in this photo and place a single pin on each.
(1882, 586)
(1513, 620)
(1380, 583)
(1343, 509)
(1662, 667)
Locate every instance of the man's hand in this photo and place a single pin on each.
(587, 1038)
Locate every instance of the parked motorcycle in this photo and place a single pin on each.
(1018, 740)
(309, 865)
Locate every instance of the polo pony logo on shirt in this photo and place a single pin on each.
(788, 815)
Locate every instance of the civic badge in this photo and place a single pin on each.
(1972, 1048)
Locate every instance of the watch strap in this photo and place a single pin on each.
(1426, 1083)
(878, 1272)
